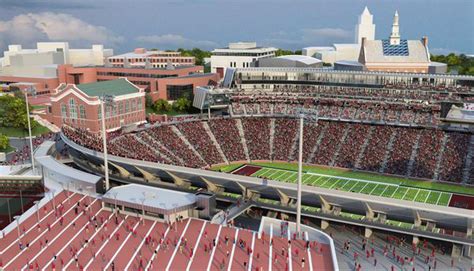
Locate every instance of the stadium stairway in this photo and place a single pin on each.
(413, 155)
(214, 141)
(185, 140)
(440, 157)
(240, 127)
(389, 151)
(272, 135)
(155, 150)
(364, 146)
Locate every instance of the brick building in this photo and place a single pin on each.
(79, 105)
(142, 58)
(160, 83)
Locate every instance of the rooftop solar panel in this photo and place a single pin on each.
(395, 50)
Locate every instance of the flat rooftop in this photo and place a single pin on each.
(153, 197)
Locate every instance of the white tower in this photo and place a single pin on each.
(365, 28)
(395, 36)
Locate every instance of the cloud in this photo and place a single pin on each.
(27, 29)
(45, 4)
(308, 37)
(326, 34)
(175, 41)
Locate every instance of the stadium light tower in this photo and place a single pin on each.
(312, 116)
(31, 90)
(105, 100)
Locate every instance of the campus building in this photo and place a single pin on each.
(238, 55)
(345, 51)
(142, 58)
(79, 105)
(160, 83)
(38, 67)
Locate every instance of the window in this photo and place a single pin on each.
(120, 108)
(72, 109)
(139, 103)
(82, 112)
(107, 112)
(63, 111)
(134, 105)
(176, 92)
(99, 112)
(127, 106)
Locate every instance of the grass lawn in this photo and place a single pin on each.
(7, 150)
(226, 168)
(18, 132)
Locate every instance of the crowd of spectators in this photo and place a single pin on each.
(379, 148)
(171, 141)
(338, 109)
(429, 147)
(330, 142)
(351, 147)
(227, 135)
(285, 133)
(401, 151)
(257, 135)
(454, 158)
(202, 143)
(374, 154)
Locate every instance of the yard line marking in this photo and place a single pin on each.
(350, 189)
(140, 246)
(429, 194)
(315, 181)
(360, 191)
(393, 193)
(322, 184)
(373, 189)
(338, 180)
(177, 246)
(405, 194)
(384, 190)
(214, 248)
(197, 244)
(148, 266)
(419, 190)
(233, 250)
(346, 184)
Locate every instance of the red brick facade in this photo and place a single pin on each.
(73, 107)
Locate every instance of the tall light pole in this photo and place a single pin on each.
(311, 115)
(33, 92)
(36, 202)
(52, 197)
(21, 201)
(17, 218)
(105, 99)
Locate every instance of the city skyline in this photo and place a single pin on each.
(209, 24)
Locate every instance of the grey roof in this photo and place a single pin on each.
(376, 51)
(154, 197)
(53, 165)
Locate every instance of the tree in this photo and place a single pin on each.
(161, 106)
(4, 142)
(148, 100)
(182, 104)
(13, 112)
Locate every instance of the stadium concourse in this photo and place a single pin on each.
(74, 232)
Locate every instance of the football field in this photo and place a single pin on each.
(358, 186)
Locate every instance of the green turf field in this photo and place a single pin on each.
(375, 177)
(368, 187)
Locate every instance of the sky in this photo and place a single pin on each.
(289, 24)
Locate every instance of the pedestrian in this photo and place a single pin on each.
(375, 261)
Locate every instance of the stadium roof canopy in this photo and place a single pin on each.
(300, 58)
(152, 199)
